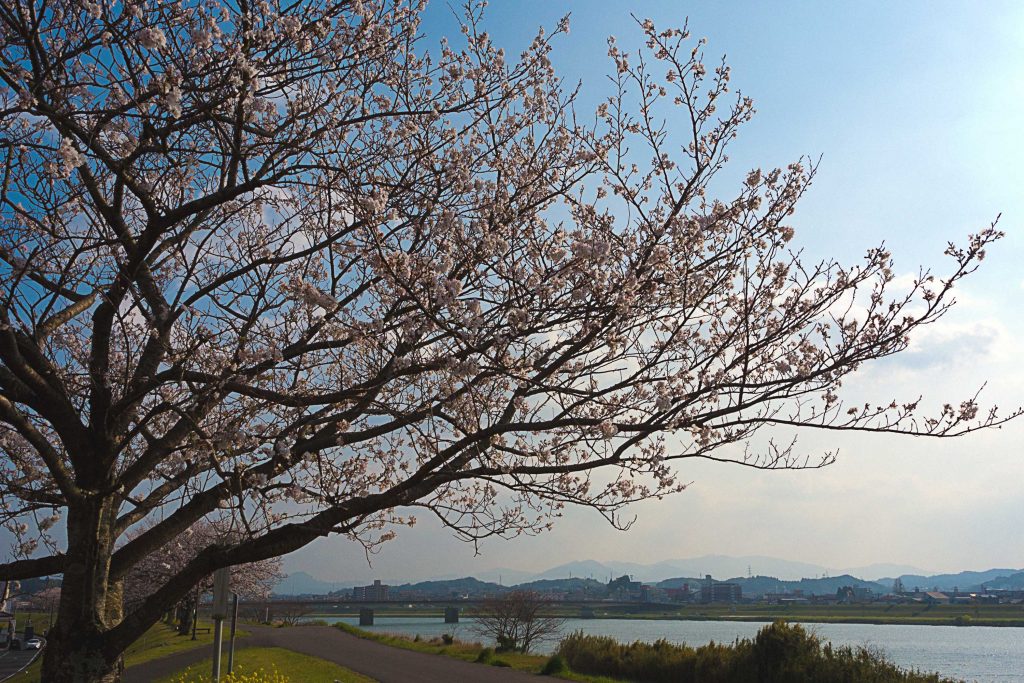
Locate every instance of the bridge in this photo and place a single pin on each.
(448, 609)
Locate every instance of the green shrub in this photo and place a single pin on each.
(554, 666)
(447, 638)
(500, 662)
(779, 653)
(485, 656)
(506, 644)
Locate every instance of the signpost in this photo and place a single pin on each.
(231, 639)
(220, 610)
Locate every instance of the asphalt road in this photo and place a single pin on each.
(380, 662)
(13, 661)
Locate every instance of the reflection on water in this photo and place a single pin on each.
(975, 653)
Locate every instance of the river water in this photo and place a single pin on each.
(974, 653)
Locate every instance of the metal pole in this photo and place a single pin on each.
(231, 645)
(217, 621)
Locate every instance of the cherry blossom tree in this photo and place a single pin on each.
(44, 600)
(287, 267)
(252, 581)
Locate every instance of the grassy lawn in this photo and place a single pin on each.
(293, 667)
(163, 640)
(159, 641)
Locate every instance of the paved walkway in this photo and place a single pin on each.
(380, 662)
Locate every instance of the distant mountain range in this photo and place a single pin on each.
(963, 581)
(756, 574)
(301, 583)
(718, 566)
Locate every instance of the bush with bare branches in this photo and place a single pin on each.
(516, 621)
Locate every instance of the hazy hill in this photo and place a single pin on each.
(877, 572)
(505, 576)
(769, 575)
(965, 581)
(822, 586)
(301, 583)
(581, 568)
(719, 566)
(759, 585)
(568, 585)
(464, 586)
(1012, 582)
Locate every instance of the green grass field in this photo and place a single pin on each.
(295, 667)
(162, 640)
(159, 641)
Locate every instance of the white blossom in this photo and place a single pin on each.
(152, 39)
(202, 38)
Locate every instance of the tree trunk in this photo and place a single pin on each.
(185, 618)
(77, 650)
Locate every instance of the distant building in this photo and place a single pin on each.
(720, 591)
(377, 592)
(797, 597)
(652, 594)
(679, 594)
(624, 588)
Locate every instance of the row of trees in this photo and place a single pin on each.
(280, 268)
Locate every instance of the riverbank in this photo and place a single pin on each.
(981, 654)
(914, 614)
(780, 651)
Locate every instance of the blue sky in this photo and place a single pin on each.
(915, 110)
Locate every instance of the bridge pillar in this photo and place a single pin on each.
(451, 615)
(365, 616)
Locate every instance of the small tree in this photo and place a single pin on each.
(516, 621)
(290, 615)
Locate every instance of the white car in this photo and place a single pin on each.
(33, 644)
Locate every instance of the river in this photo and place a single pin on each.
(975, 653)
